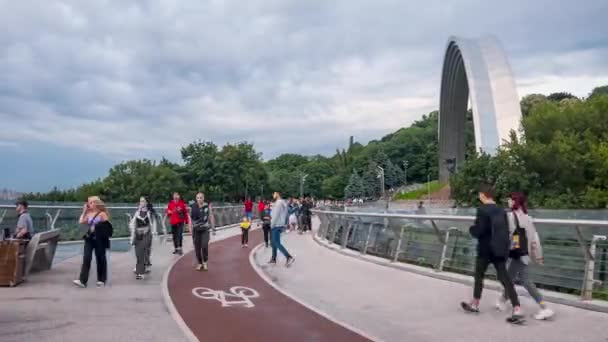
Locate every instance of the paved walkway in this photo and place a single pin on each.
(48, 308)
(395, 305)
(264, 315)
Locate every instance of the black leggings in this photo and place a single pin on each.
(481, 266)
(93, 245)
(178, 234)
(201, 245)
(266, 230)
(245, 236)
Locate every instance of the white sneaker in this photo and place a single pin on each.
(78, 283)
(139, 277)
(101, 284)
(500, 304)
(544, 314)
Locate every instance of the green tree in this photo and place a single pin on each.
(355, 187)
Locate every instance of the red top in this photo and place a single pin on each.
(177, 212)
(261, 206)
(248, 205)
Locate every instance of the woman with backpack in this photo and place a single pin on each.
(143, 227)
(525, 248)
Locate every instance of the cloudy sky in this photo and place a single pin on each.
(86, 84)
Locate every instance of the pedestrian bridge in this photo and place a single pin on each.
(360, 277)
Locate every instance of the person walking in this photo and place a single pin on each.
(266, 226)
(142, 227)
(245, 225)
(178, 216)
(306, 214)
(201, 222)
(492, 232)
(525, 248)
(277, 223)
(249, 208)
(261, 209)
(97, 231)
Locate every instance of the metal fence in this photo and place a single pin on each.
(575, 251)
(65, 218)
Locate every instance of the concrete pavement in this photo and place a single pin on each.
(395, 305)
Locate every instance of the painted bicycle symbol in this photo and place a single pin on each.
(237, 295)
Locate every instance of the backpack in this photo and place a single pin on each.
(519, 241)
(500, 241)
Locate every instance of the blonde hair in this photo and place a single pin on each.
(101, 206)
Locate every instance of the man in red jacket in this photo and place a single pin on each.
(177, 211)
(249, 209)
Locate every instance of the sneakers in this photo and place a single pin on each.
(205, 267)
(517, 312)
(101, 284)
(78, 283)
(139, 277)
(199, 267)
(289, 261)
(468, 307)
(246, 245)
(272, 262)
(175, 251)
(501, 303)
(243, 246)
(180, 251)
(544, 314)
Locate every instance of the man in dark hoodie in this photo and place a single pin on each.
(491, 230)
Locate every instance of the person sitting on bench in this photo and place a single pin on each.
(25, 225)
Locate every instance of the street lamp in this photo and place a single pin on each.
(302, 180)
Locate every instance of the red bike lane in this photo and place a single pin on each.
(231, 302)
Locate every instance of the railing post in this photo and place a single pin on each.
(444, 249)
(369, 233)
(345, 234)
(588, 280)
(55, 218)
(2, 216)
(334, 232)
(398, 248)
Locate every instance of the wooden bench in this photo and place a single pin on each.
(40, 251)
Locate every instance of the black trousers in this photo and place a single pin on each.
(177, 231)
(93, 245)
(201, 245)
(244, 236)
(266, 230)
(481, 266)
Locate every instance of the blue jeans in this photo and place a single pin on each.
(275, 238)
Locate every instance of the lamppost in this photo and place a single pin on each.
(381, 176)
(302, 180)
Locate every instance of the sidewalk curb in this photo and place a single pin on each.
(262, 274)
(549, 296)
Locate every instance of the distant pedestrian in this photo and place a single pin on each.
(261, 208)
(492, 232)
(245, 226)
(266, 226)
(201, 223)
(306, 211)
(249, 208)
(177, 211)
(525, 248)
(142, 227)
(97, 232)
(278, 221)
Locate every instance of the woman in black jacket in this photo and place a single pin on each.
(96, 233)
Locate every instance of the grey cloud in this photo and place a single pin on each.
(149, 76)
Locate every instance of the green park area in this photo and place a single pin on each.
(561, 161)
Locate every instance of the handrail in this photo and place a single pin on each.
(341, 227)
(39, 206)
(462, 218)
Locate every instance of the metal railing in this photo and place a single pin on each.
(65, 218)
(575, 251)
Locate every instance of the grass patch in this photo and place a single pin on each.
(417, 194)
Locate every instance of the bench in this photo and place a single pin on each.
(40, 251)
